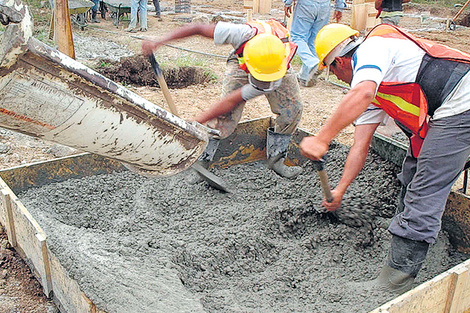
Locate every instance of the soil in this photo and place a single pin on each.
(104, 41)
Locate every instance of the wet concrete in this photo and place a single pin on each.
(136, 244)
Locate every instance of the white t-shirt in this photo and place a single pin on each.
(236, 35)
(381, 59)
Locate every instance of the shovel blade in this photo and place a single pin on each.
(211, 179)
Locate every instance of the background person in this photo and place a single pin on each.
(158, 11)
(390, 11)
(138, 6)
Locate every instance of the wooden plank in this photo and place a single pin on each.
(67, 291)
(358, 17)
(428, 297)
(30, 240)
(461, 299)
(63, 28)
(256, 6)
(249, 15)
(358, 2)
(447, 292)
(371, 19)
(265, 6)
(46, 280)
(9, 221)
(248, 4)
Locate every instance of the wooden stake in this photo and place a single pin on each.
(63, 28)
(249, 15)
(10, 223)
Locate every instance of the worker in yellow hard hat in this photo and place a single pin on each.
(258, 65)
(425, 88)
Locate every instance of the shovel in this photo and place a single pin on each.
(210, 178)
(320, 166)
(161, 81)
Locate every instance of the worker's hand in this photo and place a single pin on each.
(288, 11)
(149, 46)
(336, 203)
(338, 16)
(312, 148)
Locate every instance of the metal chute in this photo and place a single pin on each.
(46, 94)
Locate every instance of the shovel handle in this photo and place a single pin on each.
(161, 81)
(320, 166)
(325, 185)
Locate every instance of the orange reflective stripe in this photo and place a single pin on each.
(400, 103)
(404, 102)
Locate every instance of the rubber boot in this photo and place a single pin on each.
(93, 17)
(204, 160)
(404, 261)
(276, 150)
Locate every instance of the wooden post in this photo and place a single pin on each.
(265, 6)
(249, 15)
(363, 15)
(10, 223)
(63, 28)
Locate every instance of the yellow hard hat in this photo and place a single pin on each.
(266, 57)
(332, 38)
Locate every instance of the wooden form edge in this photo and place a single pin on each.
(30, 241)
(448, 292)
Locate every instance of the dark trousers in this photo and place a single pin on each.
(156, 3)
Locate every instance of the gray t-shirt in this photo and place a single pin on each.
(236, 35)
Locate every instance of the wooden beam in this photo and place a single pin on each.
(10, 224)
(63, 28)
(265, 6)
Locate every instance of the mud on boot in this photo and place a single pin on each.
(403, 263)
(276, 150)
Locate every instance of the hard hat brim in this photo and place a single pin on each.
(271, 76)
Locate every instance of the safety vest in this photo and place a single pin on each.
(272, 27)
(410, 103)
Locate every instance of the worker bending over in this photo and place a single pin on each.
(425, 87)
(258, 65)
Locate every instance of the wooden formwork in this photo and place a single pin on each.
(258, 6)
(447, 292)
(363, 16)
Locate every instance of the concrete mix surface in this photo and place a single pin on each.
(137, 244)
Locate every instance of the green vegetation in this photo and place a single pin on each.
(439, 3)
(190, 60)
(105, 64)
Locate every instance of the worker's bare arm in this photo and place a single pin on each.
(355, 161)
(351, 106)
(205, 30)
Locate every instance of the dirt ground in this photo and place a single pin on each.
(21, 293)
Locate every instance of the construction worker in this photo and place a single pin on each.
(258, 65)
(425, 88)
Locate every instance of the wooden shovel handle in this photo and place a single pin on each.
(161, 81)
